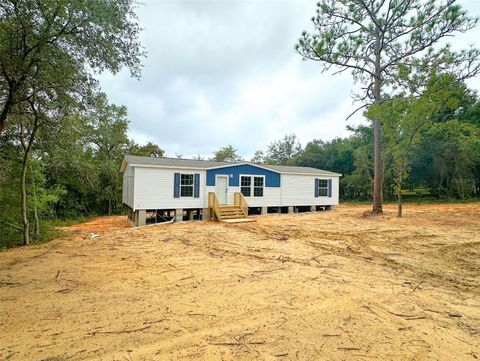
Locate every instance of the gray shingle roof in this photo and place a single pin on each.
(297, 170)
(206, 164)
(174, 162)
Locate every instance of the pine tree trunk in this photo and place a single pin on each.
(377, 177)
(377, 135)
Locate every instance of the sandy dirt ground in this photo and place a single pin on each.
(336, 285)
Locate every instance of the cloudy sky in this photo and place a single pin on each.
(222, 72)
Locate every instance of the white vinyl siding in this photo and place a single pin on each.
(154, 189)
(299, 190)
(271, 197)
(128, 186)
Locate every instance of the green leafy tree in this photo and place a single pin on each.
(358, 183)
(147, 150)
(335, 155)
(283, 151)
(47, 51)
(10, 169)
(41, 109)
(110, 143)
(349, 156)
(404, 118)
(68, 163)
(38, 205)
(447, 159)
(42, 42)
(258, 157)
(226, 154)
(380, 42)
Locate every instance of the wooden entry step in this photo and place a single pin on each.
(231, 212)
(239, 220)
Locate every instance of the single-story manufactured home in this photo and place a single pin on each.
(167, 189)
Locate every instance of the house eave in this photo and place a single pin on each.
(165, 166)
(244, 163)
(125, 164)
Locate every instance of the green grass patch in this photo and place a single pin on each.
(49, 230)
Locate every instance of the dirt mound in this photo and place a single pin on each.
(101, 224)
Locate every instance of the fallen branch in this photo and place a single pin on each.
(349, 348)
(407, 317)
(186, 278)
(372, 311)
(236, 343)
(269, 270)
(149, 322)
(226, 343)
(8, 283)
(418, 285)
(41, 254)
(120, 331)
(147, 266)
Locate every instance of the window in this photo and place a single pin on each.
(245, 185)
(323, 188)
(258, 186)
(249, 182)
(186, 185)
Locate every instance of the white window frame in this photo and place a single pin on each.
(186, 185)
(252, 185)
(320, 188)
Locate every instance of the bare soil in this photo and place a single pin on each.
(337, 285)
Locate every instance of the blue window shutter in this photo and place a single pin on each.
(176, 185)
(196, 186)
(329, 187)
(316, 184)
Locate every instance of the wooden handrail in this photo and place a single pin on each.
(214, 205)
(239, 200)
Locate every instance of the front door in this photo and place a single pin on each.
(221, 189)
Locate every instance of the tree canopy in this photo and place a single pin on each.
(279, 152)
(41, 39)
(226, 154)
(387, 45)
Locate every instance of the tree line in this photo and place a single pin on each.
(60, 138)
(62, 141)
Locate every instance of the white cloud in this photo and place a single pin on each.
(225, 72)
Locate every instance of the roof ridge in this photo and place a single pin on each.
(176, 158)
(211, 164)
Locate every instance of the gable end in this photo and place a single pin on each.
(272, 179)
